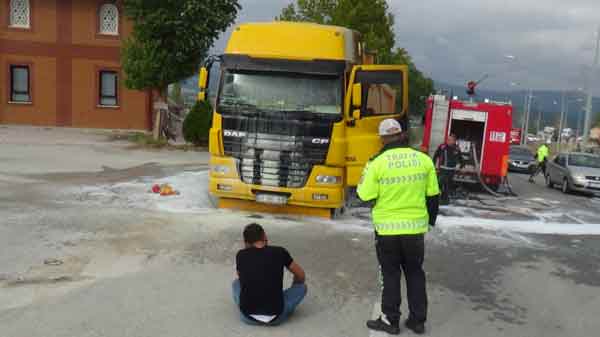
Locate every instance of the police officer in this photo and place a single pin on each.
(542, 155)
(404, 186)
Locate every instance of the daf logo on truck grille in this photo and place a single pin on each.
(320, 141)
(233, 133)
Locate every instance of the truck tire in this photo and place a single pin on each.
(549, 181)
(336, 213)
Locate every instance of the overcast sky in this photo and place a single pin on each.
(551, 41)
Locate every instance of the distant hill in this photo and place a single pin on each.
(544, 100)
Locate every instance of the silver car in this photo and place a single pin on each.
(574, 172)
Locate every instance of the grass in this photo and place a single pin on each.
(145, 140)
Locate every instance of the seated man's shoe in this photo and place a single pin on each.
(392, 328)
(414, 326)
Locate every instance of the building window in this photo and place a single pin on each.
(109, 19)
(109, 84)
(19, 16)
(19, 84)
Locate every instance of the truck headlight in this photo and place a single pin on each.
(579, 178)
(220, 169)
(329, 180)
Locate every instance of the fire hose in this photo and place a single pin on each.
(482, 182)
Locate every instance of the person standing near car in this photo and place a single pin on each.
(404, 186)
(541, 157)
(448, 160)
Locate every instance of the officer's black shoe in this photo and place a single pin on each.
(393, 328)
(416, 327)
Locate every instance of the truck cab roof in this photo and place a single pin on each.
(295, 41)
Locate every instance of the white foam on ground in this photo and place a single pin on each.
(531, 227)
(192, 186)
(193, 198)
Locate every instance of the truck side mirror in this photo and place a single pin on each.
(356, 95)
(203, 78)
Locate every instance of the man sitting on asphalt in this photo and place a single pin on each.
(258, 291)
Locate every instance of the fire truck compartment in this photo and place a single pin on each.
(469, 135)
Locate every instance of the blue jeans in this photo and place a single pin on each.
(291, 299)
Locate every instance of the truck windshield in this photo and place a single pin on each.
(281, 92)
(584, 161)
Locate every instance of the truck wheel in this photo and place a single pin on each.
(565, 186)
(336, 213)
(549, 181)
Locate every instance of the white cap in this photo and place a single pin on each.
(389, 127)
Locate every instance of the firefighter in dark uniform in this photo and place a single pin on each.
(448, 160)
(404, 186)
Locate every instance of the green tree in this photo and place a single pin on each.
(197, 123)
(374, 21)
(169, 40)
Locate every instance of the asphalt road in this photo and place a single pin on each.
(573, 204)
(82, 255)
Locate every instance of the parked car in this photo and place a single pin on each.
(574, 172)
(521, 159)
(532, 138)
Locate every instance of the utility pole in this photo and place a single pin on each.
(562, 117)
(588, 106)
(539, 121)
(523, 133)
(527, 108)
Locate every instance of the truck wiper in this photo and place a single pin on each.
(246, 109)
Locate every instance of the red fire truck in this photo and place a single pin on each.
(482, 130)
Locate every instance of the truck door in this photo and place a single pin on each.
(375, 92)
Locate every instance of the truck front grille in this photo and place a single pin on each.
(278, 153)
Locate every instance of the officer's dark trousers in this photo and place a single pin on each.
(541, 167)
(396, 254)
(446, 178)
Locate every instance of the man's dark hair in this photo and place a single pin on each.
(253, 233)
(453, 135)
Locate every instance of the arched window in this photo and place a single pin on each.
(19, 13)
(109, 19)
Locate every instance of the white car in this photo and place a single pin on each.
(574, 172)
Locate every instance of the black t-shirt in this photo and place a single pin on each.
(261, 279)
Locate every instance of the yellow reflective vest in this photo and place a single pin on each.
(542, 153)
(399, 179)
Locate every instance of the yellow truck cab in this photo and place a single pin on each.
(296, 116)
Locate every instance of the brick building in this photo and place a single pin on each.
(60, 65)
